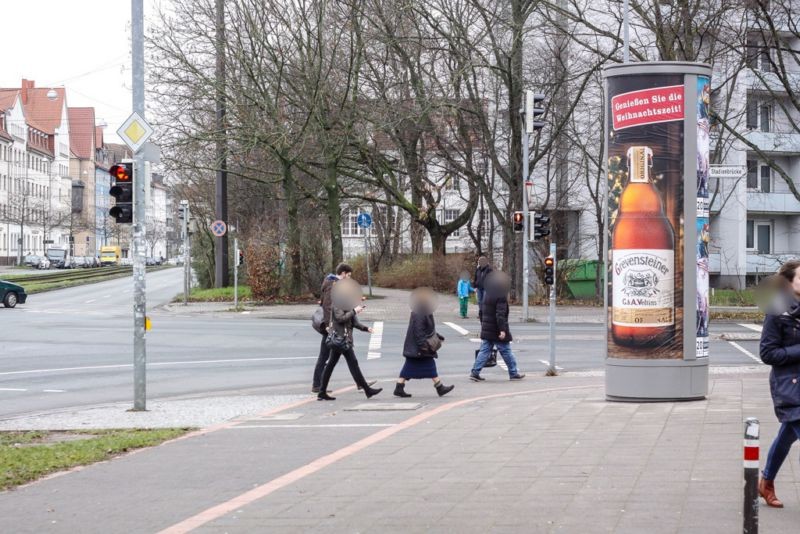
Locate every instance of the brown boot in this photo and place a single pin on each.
(766, 488)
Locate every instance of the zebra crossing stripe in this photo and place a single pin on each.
(375, 341)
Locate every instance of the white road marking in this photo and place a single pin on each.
(547, 364)
(375, 341)
(502, 363)
(152, 364)
(756, 327)
(475, 339)
(459, 329)
(12, 389)
(55, 390)
(90, 301)
(105, 296)
(342, 425)
(746, 352)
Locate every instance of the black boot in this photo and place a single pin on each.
(371, 392)
(323, 395)
(443, 390)
(400, 390)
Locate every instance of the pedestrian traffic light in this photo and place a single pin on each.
(541, 225)
(518, 222)
(534, 108)
(241, 257)
(122, 191)
(549, 270)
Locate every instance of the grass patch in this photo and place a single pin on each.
(732, 297)
(216, 294)
(27, 456)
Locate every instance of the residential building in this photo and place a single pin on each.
(83, 168)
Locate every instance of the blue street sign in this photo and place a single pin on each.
(364, 220)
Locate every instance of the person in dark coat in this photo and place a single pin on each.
(343, 271)
(344, 319)
(481, 275)
(421, 345)
(780, 348)
(494, 327)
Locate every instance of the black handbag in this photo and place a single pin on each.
(434, 343)
(336, 342)
(492, 360)
(316, 320)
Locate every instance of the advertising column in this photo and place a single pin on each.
(657, 258)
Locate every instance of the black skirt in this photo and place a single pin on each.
(419, 368)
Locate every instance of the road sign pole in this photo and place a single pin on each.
(525, 228)
(369, 269)
(551, 371)
(235, 272)
(185, 230)
(139, 268)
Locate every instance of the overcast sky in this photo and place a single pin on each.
(83, 45)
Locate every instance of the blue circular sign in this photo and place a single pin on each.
(364, 220)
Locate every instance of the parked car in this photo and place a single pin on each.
(96, 261)
(44, 263)
(32, 260)
(78, 262)
(12, 294)
(150, 262)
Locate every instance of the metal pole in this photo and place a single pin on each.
(235, 272)
(552, 369)
(750, 516)
(221, 270)
(625, 36)
(139, 268)
(185, 230)
(369, 269)
(525, 228)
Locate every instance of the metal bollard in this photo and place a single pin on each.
(750, 516)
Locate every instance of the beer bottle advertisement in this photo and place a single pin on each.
(645, 195)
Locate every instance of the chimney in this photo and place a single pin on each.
(26, 85)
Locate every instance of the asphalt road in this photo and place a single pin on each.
(73, 347)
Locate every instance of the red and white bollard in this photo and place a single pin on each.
(751, 466)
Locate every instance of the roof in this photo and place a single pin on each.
(41, 112)
(81, 132)
(7, 97)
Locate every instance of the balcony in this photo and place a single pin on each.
(769, 82)
(774, 203)
(756, 263)
(780, 143)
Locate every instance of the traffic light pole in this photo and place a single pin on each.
(186, 257)
(236, 273)
(525, 223)
(551, 371)
(139, 296)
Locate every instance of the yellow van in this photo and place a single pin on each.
(110, 255)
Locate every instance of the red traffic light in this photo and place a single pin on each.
(121, 172)
(518, 217)
(549, 261)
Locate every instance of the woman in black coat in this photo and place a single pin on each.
(780, 348)
(421, 346)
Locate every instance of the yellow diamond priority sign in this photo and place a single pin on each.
(135, 132)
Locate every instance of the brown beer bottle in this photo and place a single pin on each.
(643, 261)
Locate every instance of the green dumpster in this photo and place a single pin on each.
(581, 275)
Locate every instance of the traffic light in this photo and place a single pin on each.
(518, 222)
(541, 225)
(534, 108)
(241, 257)
(122, 191)
(549, 270)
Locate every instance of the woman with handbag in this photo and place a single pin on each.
(340, 338)
(780, 348)
(421, 345)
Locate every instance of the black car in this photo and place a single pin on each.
(12, 294)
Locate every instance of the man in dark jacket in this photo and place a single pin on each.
(481, 274)
(343, 271)
(494, 327)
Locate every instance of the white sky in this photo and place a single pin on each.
(83, 45)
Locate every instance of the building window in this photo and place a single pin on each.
(350, 227)
(766, 179)
(450, 216)
(452, 183)
(752, 113)
(766, 117)
(752, 174)
(759, 236)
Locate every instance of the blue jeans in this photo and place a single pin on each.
(504, 348)
(788, 433)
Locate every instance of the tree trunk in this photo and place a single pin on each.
(438, 240)
(293, 238)
(334, 209)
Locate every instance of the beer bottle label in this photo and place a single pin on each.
(643, 283)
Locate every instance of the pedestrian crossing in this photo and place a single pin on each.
(375, 341)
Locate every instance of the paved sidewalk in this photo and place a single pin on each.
(541, 455)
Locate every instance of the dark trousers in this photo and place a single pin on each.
(352, 364)
(787, 434)
(322, 359)
(481, 293)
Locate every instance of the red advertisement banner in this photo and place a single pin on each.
(647, 106)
